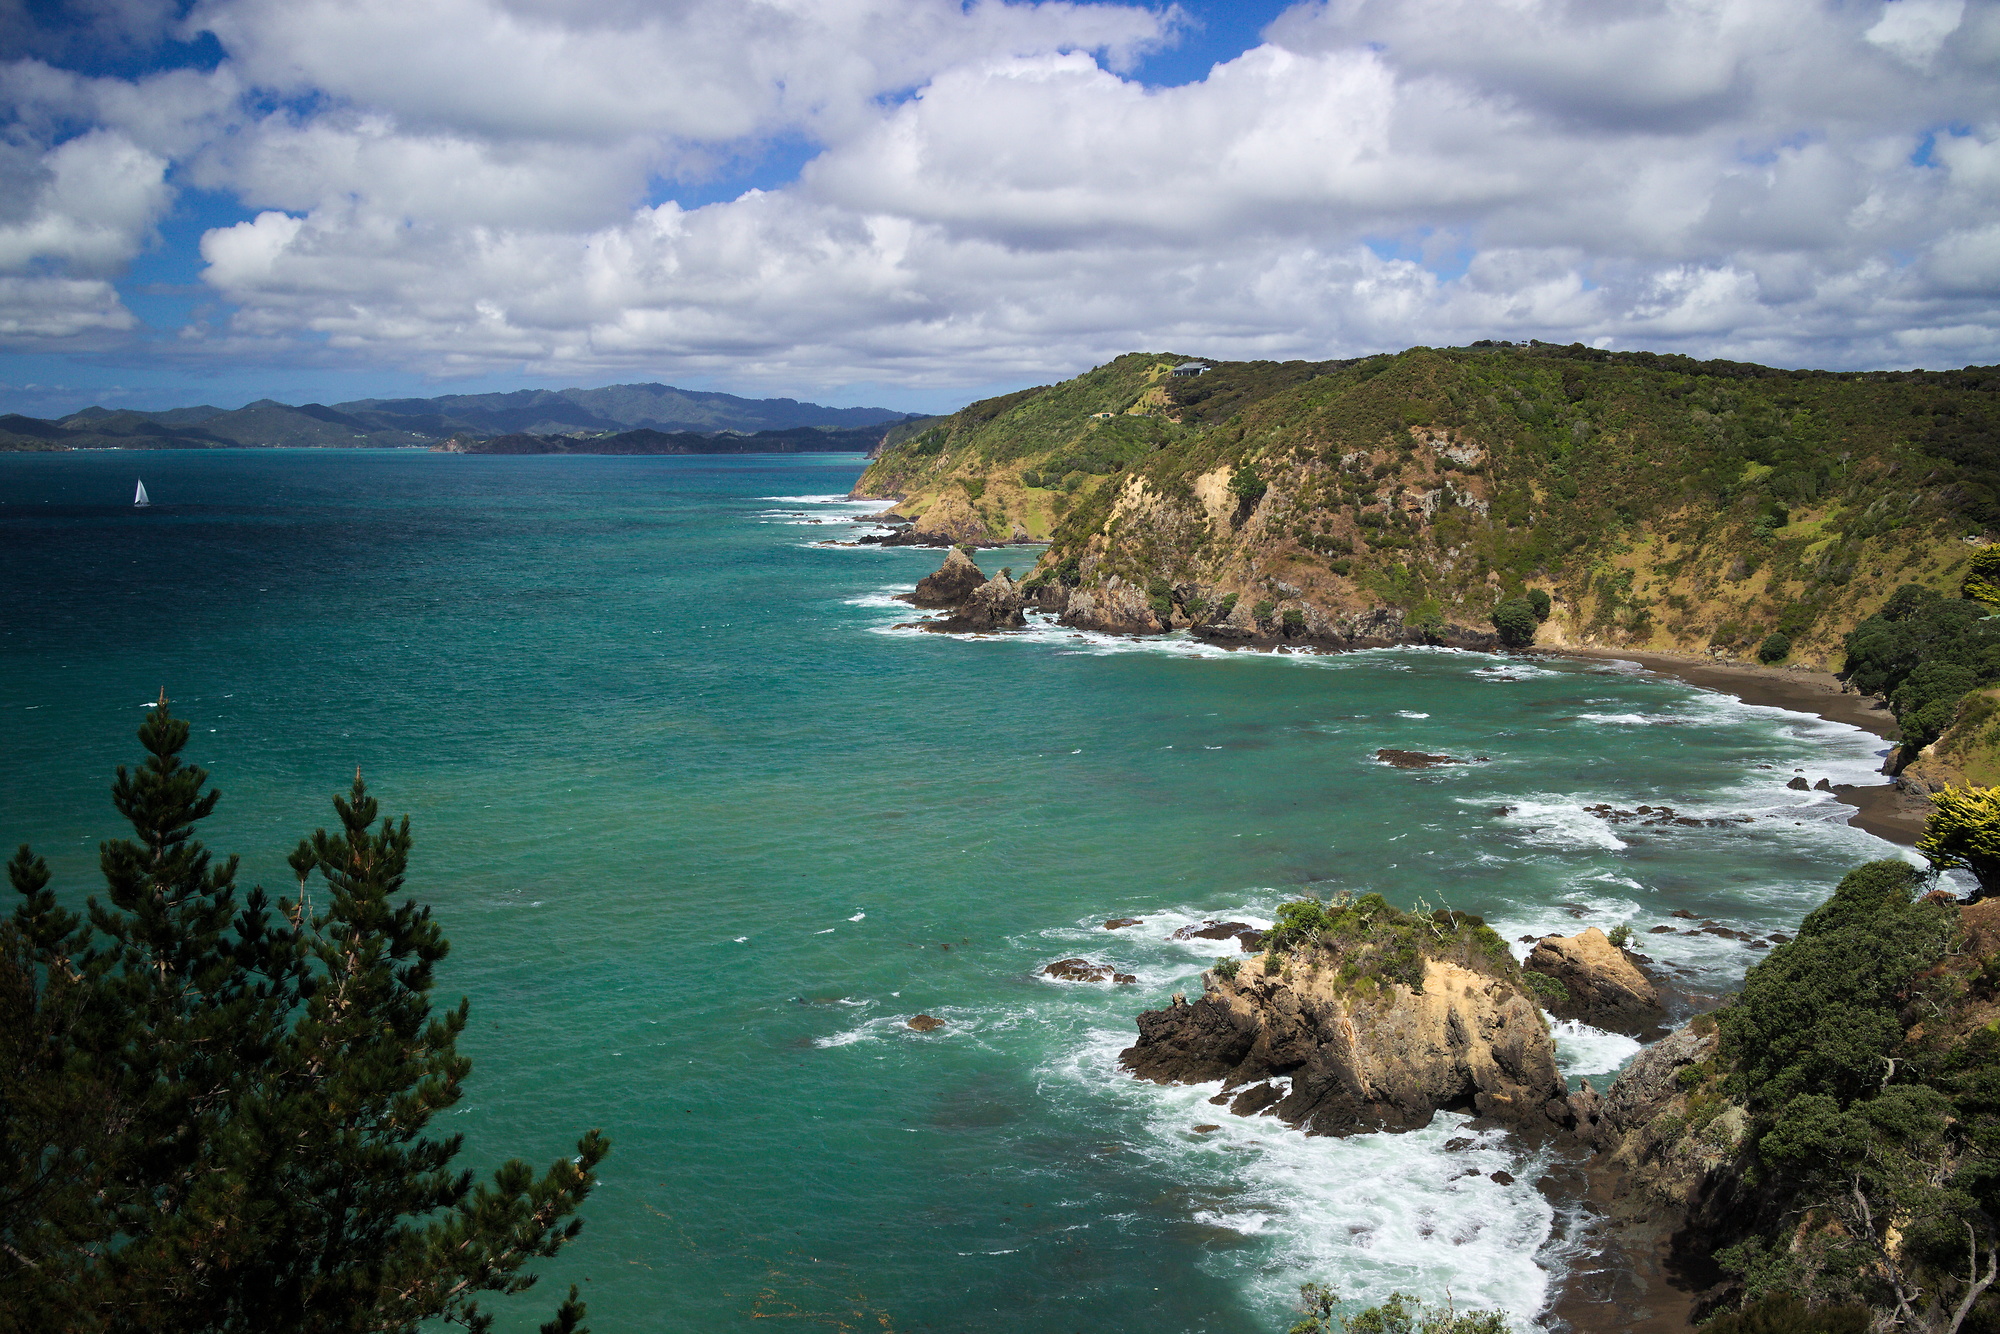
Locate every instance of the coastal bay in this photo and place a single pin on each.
(637, 711)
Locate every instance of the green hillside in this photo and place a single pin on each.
(1661, 502)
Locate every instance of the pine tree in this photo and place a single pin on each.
(213, 1115)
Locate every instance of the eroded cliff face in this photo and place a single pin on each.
(1361, 1056)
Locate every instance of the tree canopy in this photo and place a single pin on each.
(213, 1106)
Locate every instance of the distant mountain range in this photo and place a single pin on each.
(578, 415)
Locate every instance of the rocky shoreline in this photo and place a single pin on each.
(1893, 810)
(1367, 1020)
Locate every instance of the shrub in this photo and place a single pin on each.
(1401, 1314)
(1228, 967)
(1295, 620)
(1224, 606)
(1786, 1313)
(1539, 604)
(1262, 611)
(1246, 483)
(1031, 478)
(975, 487)
(1342, 567)
(1515, 621)
(1775, 648)
(1620, 935)
(1544, 988)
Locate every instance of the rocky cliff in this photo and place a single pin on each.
(1362, 1018)
(1659, 502)
(1597, 983)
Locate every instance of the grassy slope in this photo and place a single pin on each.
(1664, 503)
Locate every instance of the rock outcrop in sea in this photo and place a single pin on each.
(1378, 1020)
(1601, 984)
(950, 586)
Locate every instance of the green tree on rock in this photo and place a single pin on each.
(213, 1111)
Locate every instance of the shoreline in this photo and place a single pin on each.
(1882, 809)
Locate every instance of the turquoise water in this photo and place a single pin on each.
(700, 822)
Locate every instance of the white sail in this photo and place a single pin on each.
(140, 499)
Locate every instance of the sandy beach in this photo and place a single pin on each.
(1883, 809)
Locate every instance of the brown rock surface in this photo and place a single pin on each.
(924, 1023)
(1118, 923)
(1377, 1058)
(1212, 931)
(1604, 987)
(954, 582)
(996, 604)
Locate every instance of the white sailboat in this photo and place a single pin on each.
(140, 501)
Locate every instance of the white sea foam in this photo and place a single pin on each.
(1551, 820)
(822, 500)
(1583, 1050)
(1370, 1214)
(1405, 713)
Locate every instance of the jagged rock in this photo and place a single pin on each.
(1212, 931)
(1083, 970)
(1364, 1059)
(996, 604)
(1799, 785)
(1117, 923)
(1604, 987)
(954, 582)
(924, 1023)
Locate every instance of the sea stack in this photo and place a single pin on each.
(950, 587)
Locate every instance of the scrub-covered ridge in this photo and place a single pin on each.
(1438, 495)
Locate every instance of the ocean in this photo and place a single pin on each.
(706, 829)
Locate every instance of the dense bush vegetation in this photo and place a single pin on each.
(1875, 1111)
(1924, 651)
(1367, 938)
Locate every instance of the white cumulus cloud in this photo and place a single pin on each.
(991, 194)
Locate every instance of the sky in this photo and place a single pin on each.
(911, 203)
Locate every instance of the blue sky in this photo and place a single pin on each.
(912, 202)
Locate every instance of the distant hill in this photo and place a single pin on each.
(383, 423)
(798, 440)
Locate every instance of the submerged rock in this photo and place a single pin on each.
(1117, 923)
(1601, 984)
(1083, 970)
(1213, 931)
(924, 1023)
(1414, 759)
(953, 583)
